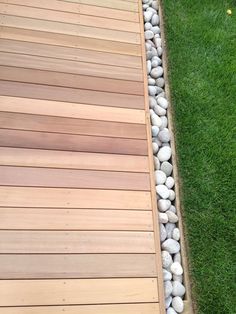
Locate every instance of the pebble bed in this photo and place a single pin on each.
(165, 183)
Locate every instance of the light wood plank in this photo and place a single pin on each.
(36, 266)
(68, 53)
(71, 18)
(66, 178)
(71, 110)
(69, 29)
(77, 291)
(73, 198)
(74, 219)
(67, 66)
(76, 242)
(52, 124)
(72, 160)
(70, 80)
(72, 95)
(34, 36)
(147, 308)
(78, 8)
(70, 142)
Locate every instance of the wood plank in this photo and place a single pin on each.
(109, 46)
(70, 53)
(67, 17)
(70, 80)
(68, 66)
(36, 266)
(69, 29)
(78, 8)
(70, 142)
(74, 219)
(73, 198)
(77, 291)
(76, 242)
(71, 110)
(67, 178)
(72, 160)
(62, 94)
(115, 4)
(30, 122)
(145, 308)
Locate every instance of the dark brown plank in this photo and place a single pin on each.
(34, 122)
(37, 91)
(77, 266)
(70, 80)
(65, 178)
(82, 143)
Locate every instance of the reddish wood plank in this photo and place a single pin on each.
(70, 80)
(83, 179)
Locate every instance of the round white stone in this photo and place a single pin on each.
(170, 182)
(172, 218)
(164, 122)
(155, 147)
(164, 153)
(169, 229)
(148, 34)
(160, 82)
(168, 302)
(149, 55)
(147, 26)
(166, 274)
(156, 163)
(177, 256)
(176, 234)
(167, 288)
(155, 130)
(171, 246)
(176, 267)
(152, 102)
(162, 191)
(173, 209)
(155, 5)
(151, 81)
(156, 120)
(178, 278)
(157, 41)
(171, 195)
(160, 177)
(178, 289)
(167, 168)
(156, 30)
(155, 62)
(170, 310)
(178, 304)
(155, 19)
(148, 16)
(163, 218)
(163, 234)
(164, 135)
(166, 259)
(157, 72)
(163, 205)
(159, 51)
(162, 102)
(149, 66)
(152, 90)
(159, 110)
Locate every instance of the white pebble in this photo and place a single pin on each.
(164, 153)
(171, 195)
(178, 289)
(162, 191)
(176, 233)
(178, 278)
(163, 218)
(155, 5)
(152, 102)
(156, 163)
(177, 256)
(155, 19)
(170, 182)
(148, 34)
(167, 288)
(155, 148)
(155, 73)
(178, 304)
(163, 205)
(163, 234)
(152, 90)
(156, 31)
(171, 246)
(166, 259)
(151, 81)
(148, 16)
(167, 168)
(159, 110)
(172, 218)
(159, 51)
(160, 177)
(168, 302)
(147, 26)
(164, 122)
(156, 61)
(170, 310)
(166, 274)
(164, 135)
(149, 66)
(155, 130)
(149, 55)
(162, 102)
(176, 267)
(157, 41)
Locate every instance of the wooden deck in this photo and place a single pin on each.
(78, 222)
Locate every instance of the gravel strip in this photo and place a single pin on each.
(165, 183)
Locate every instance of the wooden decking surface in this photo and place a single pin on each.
(78, 225)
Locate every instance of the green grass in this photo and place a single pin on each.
(201, 40)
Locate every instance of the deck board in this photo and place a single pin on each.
(78, 222)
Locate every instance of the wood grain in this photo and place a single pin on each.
(72, 160)
(72, 110)
(67, 66)
(36, 266)
(73, 198)
(81, 179)
(70, 142)
(77, 291)
(85, 9)
(66, 17)
(74, 219)
(70, 53)
(70, 80)
(70, 41)
(76, 242)
(69, 29)
(72, 95)
(145, 308)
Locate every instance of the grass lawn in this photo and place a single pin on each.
(201, 40)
